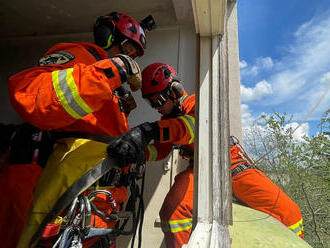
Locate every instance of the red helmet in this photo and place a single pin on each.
(156, 77)
(111, 24)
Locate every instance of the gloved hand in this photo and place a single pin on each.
(129, 148)
(126, 100)
(134, 77)
(128, 103)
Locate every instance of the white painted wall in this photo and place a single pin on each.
(234, 74)
(175, 46)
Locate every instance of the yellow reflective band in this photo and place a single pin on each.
(190, 123)
(152, 153)
(67, 92)
(61, 97)
(109, 42)
(75, 93)
(174, 226)
(297, 228)
(300, 231)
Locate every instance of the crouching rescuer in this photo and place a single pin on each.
(77, 94)
(154, 141)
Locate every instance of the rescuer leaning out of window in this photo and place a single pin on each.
(166, 94)
(76, 87)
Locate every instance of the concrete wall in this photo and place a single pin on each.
(234, 74)
(175, 46)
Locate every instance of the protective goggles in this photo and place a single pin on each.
(129, 48)
(156, 101)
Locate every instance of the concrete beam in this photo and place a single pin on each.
(209, 16)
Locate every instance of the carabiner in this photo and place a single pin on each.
(88, 217)
(112, 216)
(67, 219)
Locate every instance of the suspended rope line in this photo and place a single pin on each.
(302, 122)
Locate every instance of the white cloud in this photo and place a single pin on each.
(261, 64)
(298, 134)
(294, 82)
(242, 64)
(265, 63)
(247, 118)
(258, 132)
(260, 90)
(305, 65)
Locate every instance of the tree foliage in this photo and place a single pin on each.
(300, 168)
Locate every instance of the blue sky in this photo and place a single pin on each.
(284, 58)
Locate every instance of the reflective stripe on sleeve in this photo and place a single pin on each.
(297, 228)
(67, 92)
(152, 153)
(174, 226)
(190, 123)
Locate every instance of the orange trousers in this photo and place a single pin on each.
(176, 211)
(251, 186)
(257, 191)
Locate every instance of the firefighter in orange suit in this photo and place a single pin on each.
(166, 94)
(74, 87)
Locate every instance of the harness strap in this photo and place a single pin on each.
(240, 168)
(82, 135)
(239, 161)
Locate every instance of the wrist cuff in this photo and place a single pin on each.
(122, 73)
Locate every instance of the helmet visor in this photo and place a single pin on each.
(157, 100)
(129, 48)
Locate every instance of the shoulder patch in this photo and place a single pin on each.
(57, 58)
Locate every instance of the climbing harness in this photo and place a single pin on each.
(76, 224)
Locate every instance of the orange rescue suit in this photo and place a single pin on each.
(251, 186)
(70, 90)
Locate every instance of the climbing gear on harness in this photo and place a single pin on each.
(72, 192)
(113, 215)
(76, 224)
(235, 142)
(77, 227)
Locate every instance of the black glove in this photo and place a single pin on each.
(129, 148)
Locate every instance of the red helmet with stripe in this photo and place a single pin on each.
(156, 77)
(120, 23)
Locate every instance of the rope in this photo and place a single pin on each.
(302, 122)
(292, 132)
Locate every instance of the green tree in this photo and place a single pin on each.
(300, 168)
